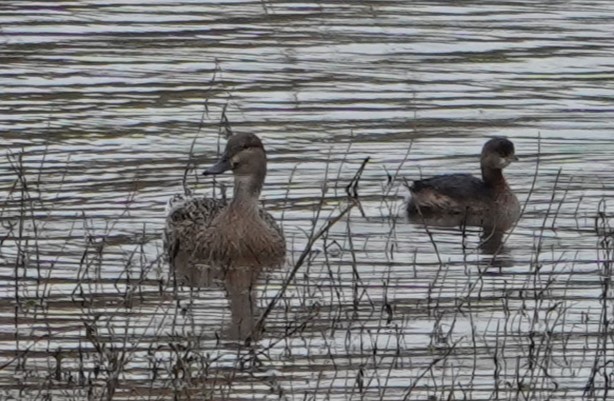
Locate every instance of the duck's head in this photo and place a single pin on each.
(245, 157)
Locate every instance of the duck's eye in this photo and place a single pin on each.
(234, 162)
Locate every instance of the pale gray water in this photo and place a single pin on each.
(112, 94)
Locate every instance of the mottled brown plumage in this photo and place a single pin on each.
(205, 237)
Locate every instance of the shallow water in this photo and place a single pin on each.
(102, 102)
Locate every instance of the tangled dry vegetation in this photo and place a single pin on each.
(90, 313)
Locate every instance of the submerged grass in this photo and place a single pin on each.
(362, 312)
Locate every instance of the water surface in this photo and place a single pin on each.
(101, 103)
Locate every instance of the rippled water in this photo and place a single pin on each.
(101, 103)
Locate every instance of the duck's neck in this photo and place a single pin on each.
(246, 193)
(493, 177)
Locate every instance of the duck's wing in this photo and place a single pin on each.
(185, 218)
(270, 221)
(193, 209)
(450, 193)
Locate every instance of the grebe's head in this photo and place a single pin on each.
(498, 153)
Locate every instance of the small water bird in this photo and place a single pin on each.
(464, 199)
(205, 237)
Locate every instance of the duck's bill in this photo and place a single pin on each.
(218, 168)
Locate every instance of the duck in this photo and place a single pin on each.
(488, 202)
(206, 238)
